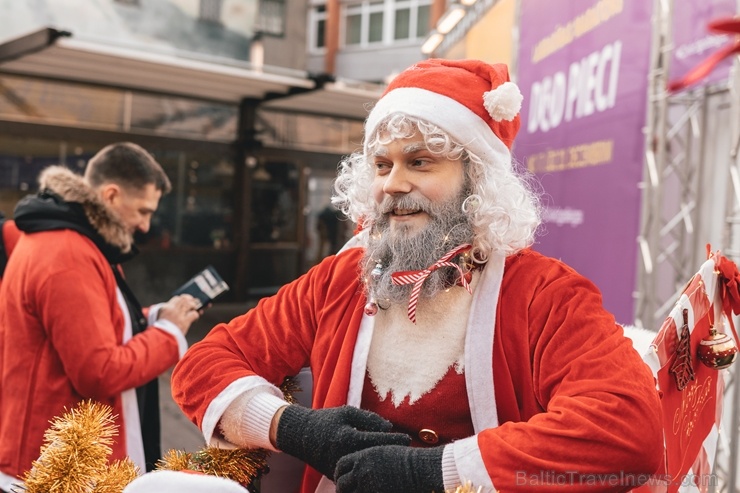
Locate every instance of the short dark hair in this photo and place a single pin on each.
(126, 164)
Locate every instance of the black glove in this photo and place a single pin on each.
(320, 437)
(391, 469)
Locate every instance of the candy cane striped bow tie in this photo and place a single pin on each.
(417, 277)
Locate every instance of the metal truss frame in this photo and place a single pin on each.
(691, 196)
(727, 461)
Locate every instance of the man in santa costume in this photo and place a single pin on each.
(70, 327)
(444, 351)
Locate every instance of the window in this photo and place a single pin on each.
(423, 23)
(199, 210)
(326, 228)
(403, 18)
(271, 18)
(353, 27)
(363, 23)
(287, 131)
(317, 26)
(371, 22)
(375, 29)
(412, 19)
(210, 10)
(70, 104)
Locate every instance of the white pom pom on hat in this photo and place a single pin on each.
(473, 101)
(503, 102)
(182, 482)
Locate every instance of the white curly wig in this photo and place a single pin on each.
(504, 216)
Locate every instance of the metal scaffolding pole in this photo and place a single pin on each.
(691, 196)
(727, 463)
(672, 183)
(654, 159)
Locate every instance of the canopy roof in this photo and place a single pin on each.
(54, 54)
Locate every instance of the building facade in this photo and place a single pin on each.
(217, 90)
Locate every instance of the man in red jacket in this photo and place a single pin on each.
(443, 349)
(70, 327)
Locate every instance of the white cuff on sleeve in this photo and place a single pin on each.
(154, 313)
(257, 418)
(252, 386)
(449, 469)
(174, 331)
(469, 464)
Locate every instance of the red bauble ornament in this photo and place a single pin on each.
(717, 350)
(371, 309)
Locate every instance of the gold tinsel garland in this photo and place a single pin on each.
(240, 465)
(466, 488)
(74, 457)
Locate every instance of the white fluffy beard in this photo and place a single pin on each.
(400, 250)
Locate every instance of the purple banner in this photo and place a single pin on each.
(692, 40)
(583, 70)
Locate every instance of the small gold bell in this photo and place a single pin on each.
(717, 350)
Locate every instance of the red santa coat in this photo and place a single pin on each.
(558, 397)
(63, 330)
(9, 235)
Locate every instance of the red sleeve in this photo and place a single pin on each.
(79, 309)
(277, 338)
(10, 236)
(599, 418)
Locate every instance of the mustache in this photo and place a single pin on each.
(407, 202)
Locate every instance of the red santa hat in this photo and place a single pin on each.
(182, 482)
(471, 100)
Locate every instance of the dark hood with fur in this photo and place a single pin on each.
(66, 201)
